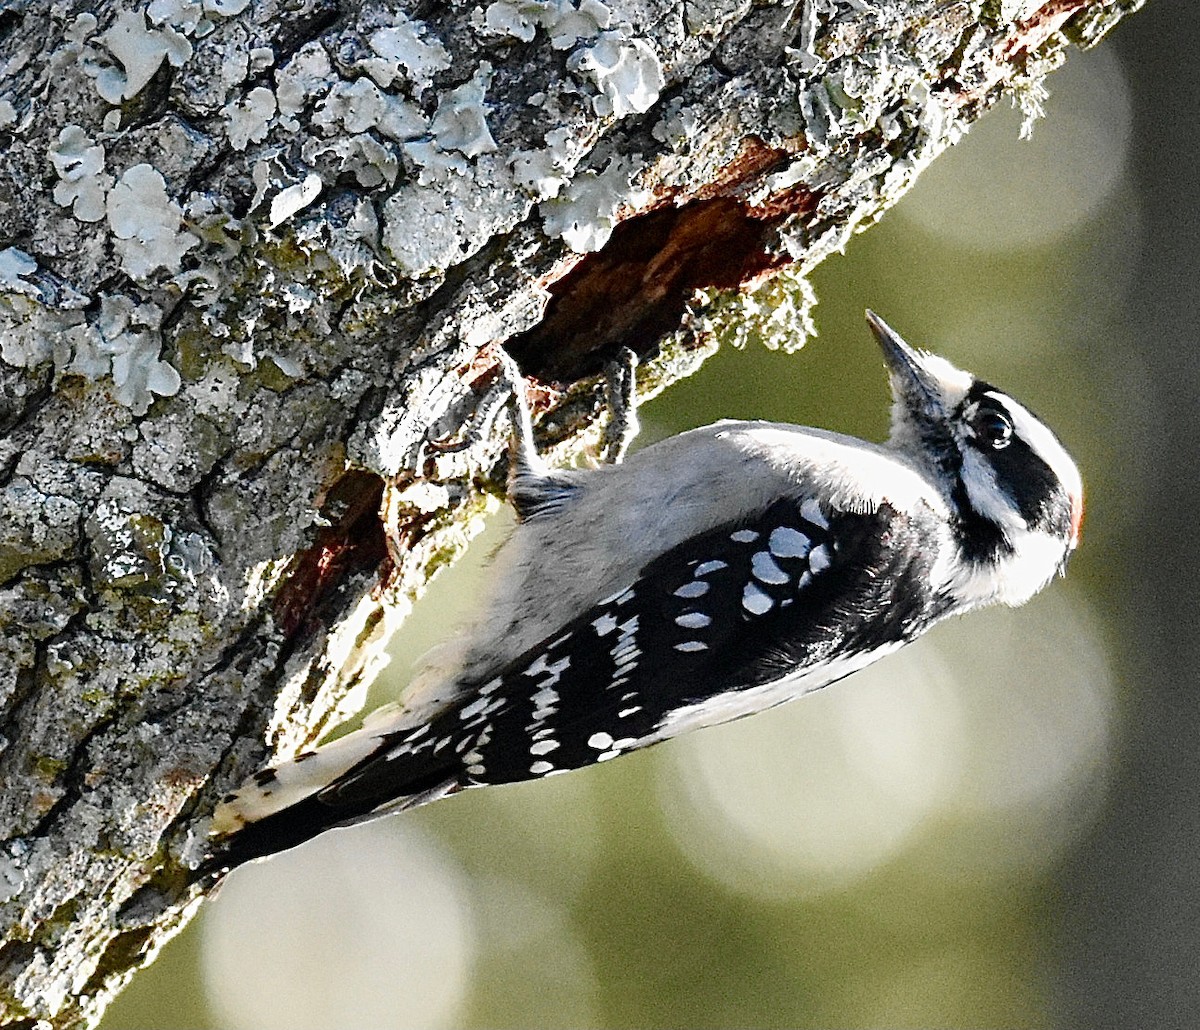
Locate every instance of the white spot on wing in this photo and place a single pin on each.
(695, 589)
(818, 559)
(786, 542)
(766, 569)
(693, 620)
(552, 670)
(620, 597)
(545, 696)
(600, 741)
(693, 645)
(744, 536)
(755, 601)
(544, 702)
(605, 625)
(810, 510)
(475, 708)
(710, 566)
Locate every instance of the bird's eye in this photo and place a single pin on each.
(993, 428)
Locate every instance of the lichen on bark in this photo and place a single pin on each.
(252, 257)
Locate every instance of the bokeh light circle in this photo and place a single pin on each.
(818, 792)
(368, 928)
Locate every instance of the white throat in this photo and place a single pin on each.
(1012, 578)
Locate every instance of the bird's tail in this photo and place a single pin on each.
(286, 784)
(300, 822)
(286, 804)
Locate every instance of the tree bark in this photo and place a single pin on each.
(253, 257)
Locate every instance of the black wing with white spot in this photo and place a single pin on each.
(740, 607)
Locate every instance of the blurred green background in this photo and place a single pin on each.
(996, 828)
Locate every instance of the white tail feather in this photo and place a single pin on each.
(283, 785)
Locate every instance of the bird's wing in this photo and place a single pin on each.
(732, 621)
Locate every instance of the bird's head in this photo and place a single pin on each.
(1015, 492)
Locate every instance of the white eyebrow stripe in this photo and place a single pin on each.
(1042, 442)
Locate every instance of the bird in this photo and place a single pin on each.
(710, 576)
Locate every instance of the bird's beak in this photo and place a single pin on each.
(919, 389)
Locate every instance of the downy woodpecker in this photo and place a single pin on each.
(712, 575)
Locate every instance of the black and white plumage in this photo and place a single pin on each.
(713, 575)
